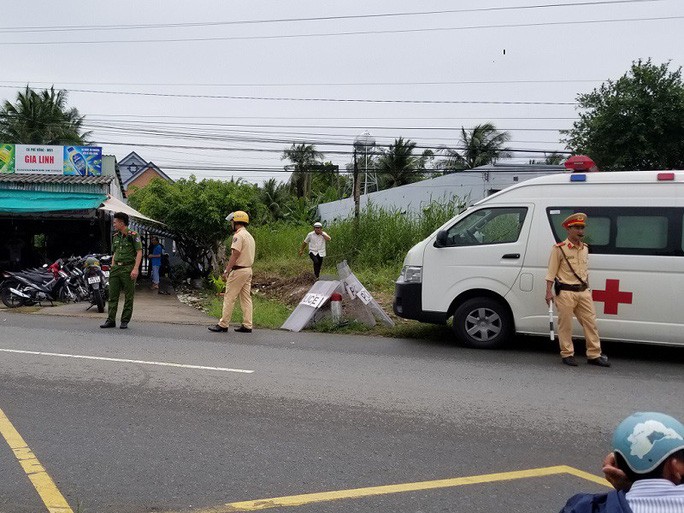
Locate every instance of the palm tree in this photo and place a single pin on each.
(41, 118)
(274, 196)
(397, 165)
(483, 145)
(304, 158)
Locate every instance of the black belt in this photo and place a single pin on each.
(573, 288)
(241, 267)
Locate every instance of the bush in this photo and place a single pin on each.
(378, 241)
(382, 237)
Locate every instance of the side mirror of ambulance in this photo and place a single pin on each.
(441, 240)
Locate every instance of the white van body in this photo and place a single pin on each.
(486, 267)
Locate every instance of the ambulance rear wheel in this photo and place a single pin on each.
(483, 323)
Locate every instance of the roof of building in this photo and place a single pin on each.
(130, 165)
(466, 186)
(139, 172)
(46, 178)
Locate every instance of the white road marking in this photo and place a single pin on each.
(125, 360)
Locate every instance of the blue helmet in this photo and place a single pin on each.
(646, 439)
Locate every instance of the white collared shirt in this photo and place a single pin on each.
(316, 243)
(656, 496)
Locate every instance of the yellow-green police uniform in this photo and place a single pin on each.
(239, 282)
(125, 248)
(578, 302)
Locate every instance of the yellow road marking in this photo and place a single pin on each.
(52, 498)
(589, 477)
(309, 498)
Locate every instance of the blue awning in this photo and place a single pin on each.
(42, 201)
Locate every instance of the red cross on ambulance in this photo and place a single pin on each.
(611, 297)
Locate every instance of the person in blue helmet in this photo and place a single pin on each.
(646, 468)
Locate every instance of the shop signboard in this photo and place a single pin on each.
(54, 160)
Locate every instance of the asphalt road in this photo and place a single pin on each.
(317, 413)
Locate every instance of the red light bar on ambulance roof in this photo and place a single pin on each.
(665, 176)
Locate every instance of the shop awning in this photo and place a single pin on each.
(115, 205)
(17, 201)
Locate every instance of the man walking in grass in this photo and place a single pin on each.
(316, 241)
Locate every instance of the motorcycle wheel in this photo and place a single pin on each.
(8, 298)
(99, 300)
(64, 295)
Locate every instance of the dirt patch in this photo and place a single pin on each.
(291, 290)
(288, 290)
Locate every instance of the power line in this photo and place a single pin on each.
(312, 84)
(93, 123)
(72, 28)
(249, 136)
(443, 118)
(273, 150)
(334, 100)
(275, 170)
(329, 34)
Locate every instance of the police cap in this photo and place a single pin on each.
(578, 219)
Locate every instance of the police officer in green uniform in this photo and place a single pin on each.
(127, 253)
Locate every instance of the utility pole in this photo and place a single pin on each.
(357, 188)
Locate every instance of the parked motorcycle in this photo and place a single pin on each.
(76, 278)
(36, 286)
(97, 282)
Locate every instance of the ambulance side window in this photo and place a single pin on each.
(626, 230)
(487, 226)
(641, 232)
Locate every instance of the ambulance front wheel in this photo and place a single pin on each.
(483, 323)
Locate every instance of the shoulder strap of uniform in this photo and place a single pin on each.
(570, 266)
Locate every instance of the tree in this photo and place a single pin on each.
(274, 195)
(304, 159)
(480, 146)
(636, 122)
(194, 213)
(550, 159)
(397, 165)
(41, 118)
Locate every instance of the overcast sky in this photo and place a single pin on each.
(220, 87)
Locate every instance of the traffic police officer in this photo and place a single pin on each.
(238, 275)
(568, 264)
(126, 257)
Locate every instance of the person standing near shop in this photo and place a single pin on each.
(568, 269)
(126, 257)
(238, 275)
(155, 257)
(316, 241)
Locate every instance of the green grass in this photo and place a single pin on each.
(267, 313)
(376, 243)
(374, 246)
(272, 314)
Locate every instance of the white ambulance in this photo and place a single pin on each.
(486, 267)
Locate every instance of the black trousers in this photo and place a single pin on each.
(317, 262)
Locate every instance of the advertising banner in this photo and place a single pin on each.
(54, 160)
(83, 160)
(34, 159)
(6, 158)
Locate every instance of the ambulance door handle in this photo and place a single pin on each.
(511, 255)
